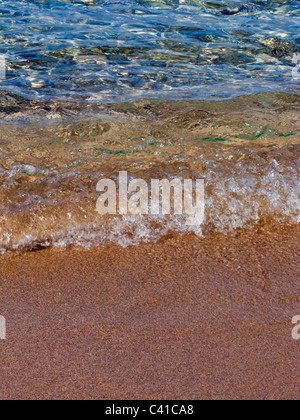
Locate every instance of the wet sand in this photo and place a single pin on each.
(185, 318)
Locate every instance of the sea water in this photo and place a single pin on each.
(118, 50)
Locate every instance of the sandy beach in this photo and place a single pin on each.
(185, 318)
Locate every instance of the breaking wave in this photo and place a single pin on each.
(244, 195)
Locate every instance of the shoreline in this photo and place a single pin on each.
(185, 318)
(243, 149)
(149, 201)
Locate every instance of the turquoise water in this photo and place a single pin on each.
(109, 50)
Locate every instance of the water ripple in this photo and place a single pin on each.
(112, 50)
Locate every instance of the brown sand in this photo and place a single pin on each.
(182, 319)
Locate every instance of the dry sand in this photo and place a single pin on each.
(186, 318)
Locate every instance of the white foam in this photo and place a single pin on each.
(240, 197)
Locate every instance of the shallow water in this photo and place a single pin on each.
(246, 150)
(66, 119)
(112, 50)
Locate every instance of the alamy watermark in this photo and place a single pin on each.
(296, 69)
(2, 328)
(159, 197)
(296, 329)
(2, 67)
